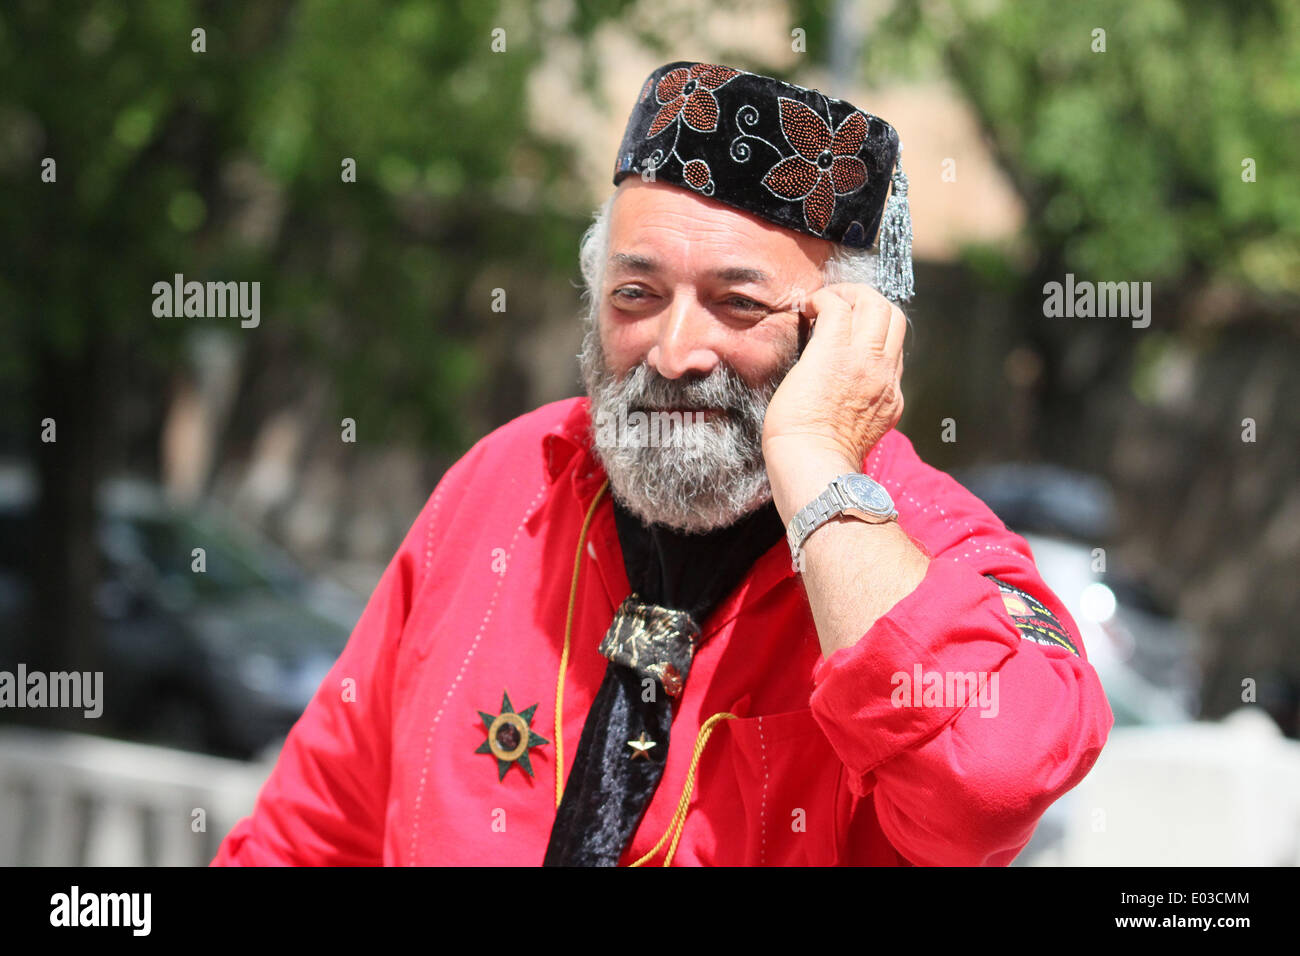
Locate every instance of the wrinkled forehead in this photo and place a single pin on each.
(664, 226)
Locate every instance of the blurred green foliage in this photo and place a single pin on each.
(1130, 160)
(226, 165)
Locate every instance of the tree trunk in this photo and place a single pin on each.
(65, 559)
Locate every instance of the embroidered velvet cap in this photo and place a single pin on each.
(792, 155)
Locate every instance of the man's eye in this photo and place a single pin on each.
(629, 294)
(748, 305)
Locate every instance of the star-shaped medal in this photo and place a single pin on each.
(640, 747)
(509, 737)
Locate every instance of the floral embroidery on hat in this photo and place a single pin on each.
(826, 165)
(697, 173)
(689, 93)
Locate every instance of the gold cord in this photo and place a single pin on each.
(564, 655)
(678, 822)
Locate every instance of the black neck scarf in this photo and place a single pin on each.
(610, 786)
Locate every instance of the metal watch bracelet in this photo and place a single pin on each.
(827, 505)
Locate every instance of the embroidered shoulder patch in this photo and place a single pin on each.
(1035, 622)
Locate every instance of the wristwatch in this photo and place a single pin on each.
(855, 496)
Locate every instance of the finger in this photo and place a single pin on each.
(871, 321)
(833, 317)
(870, 312)
(897, 334)
(852, 292)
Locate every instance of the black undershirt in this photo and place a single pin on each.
(607, 791)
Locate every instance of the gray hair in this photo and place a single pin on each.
(845, 264)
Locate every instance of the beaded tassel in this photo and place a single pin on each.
(895, 272)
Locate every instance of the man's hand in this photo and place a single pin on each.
(842, 397)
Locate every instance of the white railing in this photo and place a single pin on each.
(78, 800)
(1207, 793)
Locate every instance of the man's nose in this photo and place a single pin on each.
(684, 344)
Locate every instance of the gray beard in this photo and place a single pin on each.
(701, 475)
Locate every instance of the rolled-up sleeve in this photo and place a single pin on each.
(963, 720)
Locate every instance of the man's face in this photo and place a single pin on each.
(697, 312)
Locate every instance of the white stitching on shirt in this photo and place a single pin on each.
(971, 533)
(428, 740)
(762, 807)
(428, 538)
(992, 547)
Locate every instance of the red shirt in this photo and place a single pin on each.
(829, 761)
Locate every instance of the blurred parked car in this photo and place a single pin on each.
(223, 661)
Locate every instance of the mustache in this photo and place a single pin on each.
(721, 388)
(645, 389)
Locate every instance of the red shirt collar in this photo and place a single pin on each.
(566, 439)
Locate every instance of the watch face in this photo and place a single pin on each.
(868, 495)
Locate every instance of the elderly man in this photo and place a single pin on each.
(717, 612)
